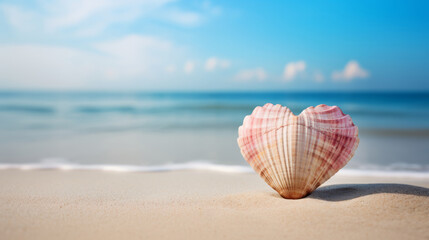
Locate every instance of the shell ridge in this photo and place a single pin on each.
(260, 143)
(318, 156)
(320, 128)
(308, 142)
(267, 143)
(313, 163)
(261, 165)
(280, 117)
(288, 154)
(328, 111)
(296, 154)
(292, 151)
(329, 172)
(327, 135)
(292, 168)
(258, 166)
(286, 113)
(334, 156)
(286, 150)
(323, 161)
(261, 147)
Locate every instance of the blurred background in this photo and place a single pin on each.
(159, 83)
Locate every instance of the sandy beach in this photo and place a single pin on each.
(205, 205)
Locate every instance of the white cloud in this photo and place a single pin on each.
(137, 55)
(80, 16)
(96, 14)
(184, 18)
(87, 18)
(318, 76)
(251, 74)
(190, 18)
(211, 9)
(214, 63)
(134, 46)
(131, 59)
(127, 58)
(170, 68)
(293, 69)
(211, 64)
(18, 18)
(26, 66)
(189, 67)
(351, 71)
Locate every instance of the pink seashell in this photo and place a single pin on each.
(296, 154)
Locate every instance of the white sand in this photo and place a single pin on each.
(205, 205)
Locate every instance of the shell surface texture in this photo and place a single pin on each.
(296, 154)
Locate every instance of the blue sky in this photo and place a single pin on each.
(214, 45)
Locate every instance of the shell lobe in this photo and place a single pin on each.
(296, 154)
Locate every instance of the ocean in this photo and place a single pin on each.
(163, 131)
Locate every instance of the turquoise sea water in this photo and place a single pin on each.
(155, 130)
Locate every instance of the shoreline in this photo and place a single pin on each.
(202, 204)
(196, 166)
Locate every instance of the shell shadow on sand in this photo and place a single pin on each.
(341, 192)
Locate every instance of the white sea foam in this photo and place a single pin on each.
(130, 168)
(199, 166)
(383, 173)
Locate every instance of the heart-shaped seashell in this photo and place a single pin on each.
(296, 154)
